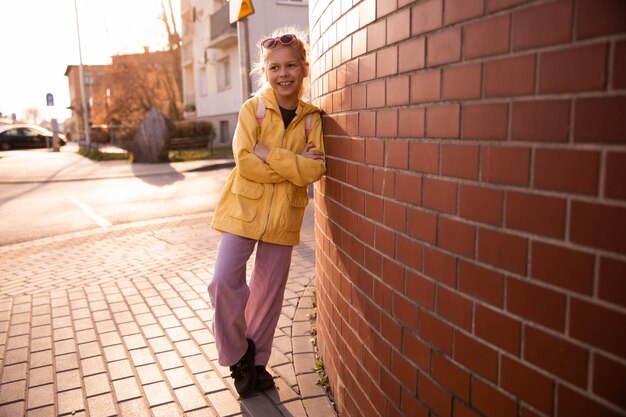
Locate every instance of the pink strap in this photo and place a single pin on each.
(260, 111)
(307, 126)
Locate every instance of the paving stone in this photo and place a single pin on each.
(179, 377)
(126, 389)
(97, 384)
(134, 408)
(40, 396)
(224, 402)
(14, 409)
(68, 380)
(40, 412)
(41, 376)
(167, 410)
(149, 374)
(169, 360)
(157, 394)
(190, 398)
(92, 366)
(12, 391)
(70, 402)
(14, 372)
(102, 406)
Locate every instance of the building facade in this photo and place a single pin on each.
(97, 83)
(210, 60)
(470, 230)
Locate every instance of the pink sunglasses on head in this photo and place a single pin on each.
(269, 43)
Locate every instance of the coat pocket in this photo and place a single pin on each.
(294, 212)
(247, 199)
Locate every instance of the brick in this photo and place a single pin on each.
(420, 290)
(439, 195)
(458, 10)
(425, 86)
(492, 401)
(387, 62)
(575, 69)
(495, 5)
(615, 175)
(411, 122)
(373, 150)
(543, 25)
(598, 18)
(571, 403)
(545, 121)
(547, 308)
(454, 307)
(397, 91)
(422, 224)
(440, 266)
(619, 65)
(527, 384)
(395, 216)
(510, 76)
(451, 376)
(487, 37)
(583, 325)
(457, 237)
(412, 54)
(556, 355)
(505, 165)
(462, 82)
(367, 123)
(434, 397)
(397, 154)
(376, 92)
(409, 252)
(426, 16)
(376, 35)
(399, 26)
(384, 183)
(409, 188)
(535, 213)
(481, 283)
(503, 250)
(612, 280)
(443, 121)
(600, 120)
(474, 354)
(352, 47)
(367, 67)
(424, 157)
(488, 121)
(387, 123)
(567, 170)
(598, 226)
(498, 329)
(459, 161)
(481, 204)
(567, 268)
(443, 47)
(608, 379)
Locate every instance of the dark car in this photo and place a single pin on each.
(20, 136)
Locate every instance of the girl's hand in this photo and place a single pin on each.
(261, 151)
(310, 153)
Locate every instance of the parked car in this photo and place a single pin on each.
(19, 136)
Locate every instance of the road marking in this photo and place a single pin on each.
(102, 222)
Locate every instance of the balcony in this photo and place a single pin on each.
(223, 33)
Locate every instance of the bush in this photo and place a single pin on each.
(193, 128)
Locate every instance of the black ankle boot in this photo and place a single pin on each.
(244, 372)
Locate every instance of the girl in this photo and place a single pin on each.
(278, 151)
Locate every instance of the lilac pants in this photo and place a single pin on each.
(243, 311)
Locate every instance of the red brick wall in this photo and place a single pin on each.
(471, 229)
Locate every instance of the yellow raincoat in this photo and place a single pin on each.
(266, 200)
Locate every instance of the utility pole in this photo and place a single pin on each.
(82, 84)
(244, 57)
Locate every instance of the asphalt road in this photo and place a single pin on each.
(32, 210)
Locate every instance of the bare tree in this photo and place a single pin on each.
(32, 114)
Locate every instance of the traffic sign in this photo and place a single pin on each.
(239, 9)
(49, 100)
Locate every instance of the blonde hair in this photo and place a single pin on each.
(300, 45)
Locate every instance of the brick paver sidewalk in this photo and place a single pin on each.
(116, 322)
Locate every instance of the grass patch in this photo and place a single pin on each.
(97, 155)
(201, 154)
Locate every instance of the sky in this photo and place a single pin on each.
(38, 40)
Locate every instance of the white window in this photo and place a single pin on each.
(223, 74)
(204, 84)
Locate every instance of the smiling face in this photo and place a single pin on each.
(285, 71)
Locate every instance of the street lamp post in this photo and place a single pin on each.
(82, 84)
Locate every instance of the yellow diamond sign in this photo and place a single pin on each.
(238, 9)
